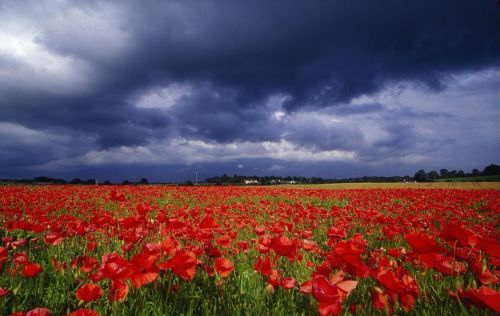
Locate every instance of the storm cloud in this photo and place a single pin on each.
(320, 88)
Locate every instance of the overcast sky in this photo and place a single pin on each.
(159, 89)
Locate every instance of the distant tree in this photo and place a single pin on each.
(476, 172)
(144, 181)
(48, 180)
(189, 183)
(421, 176)
(460, 173)
(107, 182)
(42, 179)
(76, 181)
(126, 182)
(444, 173)
(491, 170)
(433, 174)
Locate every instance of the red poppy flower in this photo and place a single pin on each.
(91, 246)
(113, 266)
(274, 278)
(223, 266)
(3, 292)
(118, 291)
(208, 222)
(96, 277)
(306, 287)
(3, 254)
(323, 290)
(355, 266)
(490, 298)
(243, 246)
(152, 248)
(224, 241)
(487, 278)
(143, 209)
(31, 269)
(380, 301)
(53, 239)
(407, 301)
(389, 280)
(20, 258)
(84, 312)
(140, 279)
(308, 245)
(144, 269)
(183, 263)
(284, 246)
(457, 232)
(259, 231)
(288, 283)
(350, 247)
(115, 196)
(88, 264)
(170, 245)
(423, 243)
(447, 265)
(482, 297)
(19, 243)
(489, 245)
(39, 311)
(211, 251)
(329, 309)
(89, 292)
(263, 266)
(345, 288)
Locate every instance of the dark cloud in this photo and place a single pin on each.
(281, 72)
(318, 53)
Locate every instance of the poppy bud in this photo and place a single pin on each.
(269, 289)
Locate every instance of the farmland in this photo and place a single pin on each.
(400, 185)
(426, 249)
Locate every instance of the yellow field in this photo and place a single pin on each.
(420, 185)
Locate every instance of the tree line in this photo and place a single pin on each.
(490, 170)
(270, 180)
(420, 176)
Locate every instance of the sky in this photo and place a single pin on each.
(119, 90)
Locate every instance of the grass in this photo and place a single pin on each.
(495, 178)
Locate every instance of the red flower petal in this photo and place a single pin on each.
(223, 266)
(31, 270)
(423, 243)
(84, 312)
(3, 292)
(288, 283)
(39, 311)
(183, 264)
(118, 291)
(306, 287)
(89, 292)
(324, 291)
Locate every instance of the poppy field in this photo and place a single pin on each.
(172, 250)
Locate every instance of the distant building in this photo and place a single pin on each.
(250, 181)
(287, 181)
